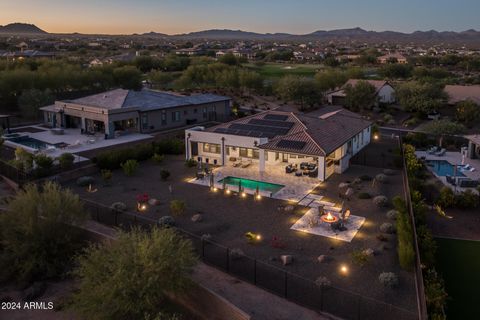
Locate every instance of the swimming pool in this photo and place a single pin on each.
(30, 142)
(252, 184)
(444, 168)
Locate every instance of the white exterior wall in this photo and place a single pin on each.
(386, 94)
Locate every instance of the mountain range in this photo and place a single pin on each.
(468, 37)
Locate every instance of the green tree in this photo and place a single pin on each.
(396, 71)
(330, 79)
(467, 112)
(422, 98)
(360, 96)
(160, 79)
(229, 59)
(443, 127)
(36, 239)
(31, 100)
(298, 89)
(129, 277)
(128, 77)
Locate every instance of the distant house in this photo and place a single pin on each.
(27, 54)
(458, 93)
(117, 111)
(384, 92)
(392, 57)
(95, 63)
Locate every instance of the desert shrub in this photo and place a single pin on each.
(119, 206)
(164, 174)
(392, 214)
(158, 158)
(364, 195)
(380, 201)
(166, 221)
(359, 257)
(106, 175)
(177, 207)
(36, 240)
(44, 165)
(113, 159)
(190, 163)
(387, 227)
(382, 178)
(129, 167)
(66, 160)
(147, 266)
(366, 178)
(406, 253)
(85, 181)
(447, 198)
(435, 294)
(427, 245)
(388, 279)
(171, 146)
(467, 200)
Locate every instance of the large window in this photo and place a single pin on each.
(211, 148)
(176, 116)
(164, 117)
(145, 120)
(249, 153)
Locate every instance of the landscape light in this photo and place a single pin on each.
(258, 197)
(344, 269)
(375, 137)
(228, 191)
(258, 237)
(243, 194)
(214, 189)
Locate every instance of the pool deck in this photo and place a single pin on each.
(296, 188)
(76, 141)
(454, 158)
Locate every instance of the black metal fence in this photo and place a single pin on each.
(14, 174)
(305, 292)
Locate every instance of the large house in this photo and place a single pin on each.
(457, 93)
(118, 111)
(392, 58)
(275, 139)
(384, 92)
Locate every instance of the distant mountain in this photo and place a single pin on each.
(21, 28)
(153, 34)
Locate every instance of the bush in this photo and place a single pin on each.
(406, 253)
(129, 167)
(106, 175)
(113, 159)
(164, 174)
(44, 165)
(36, 240)
(85, 181)
(364, 195)
(177, 207)
(388, 279)
(447, 198)
(190, 163)
(66, 160)
(158, 158)
(119, 206)
(382, 178)
(166, 221)
(392, 214)
(387, 227)
(467, 200)
(359, 257)
(147, 266)
(380, 201)
(172, 146)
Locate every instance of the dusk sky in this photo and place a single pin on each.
(301, 16)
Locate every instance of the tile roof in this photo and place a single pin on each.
(458, 93)
(378, 84)
(144, 99)
(322, 133)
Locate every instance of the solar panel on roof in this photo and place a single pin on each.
(279, 117)
(272, 123)
(290, 144)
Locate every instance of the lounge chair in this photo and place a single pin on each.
(441, 152)
(237, 163)
(432, 150)
(246, 164)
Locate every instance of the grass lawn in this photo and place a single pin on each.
(458, 262)
(276, 70)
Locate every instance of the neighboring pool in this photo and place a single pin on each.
(30, 142)
(444, 168)
(252, 184)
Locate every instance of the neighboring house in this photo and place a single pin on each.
(24, 54)
(118, 111)
(458, 93)
(384, 92)
(392, 57)
(473, 146)
(95, 63)
(278, 138)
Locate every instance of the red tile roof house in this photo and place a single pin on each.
(384, 91)
(458, 93)
(392, 57)
(278, 138)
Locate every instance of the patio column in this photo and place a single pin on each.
(321, 168)
(471, 150)
(261, 158)
(109, 130)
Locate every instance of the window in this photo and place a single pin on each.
(176, 116)
(195, 110)
(49, 117)
(249, 153)
(211, 148)
(164, 117)
(205, 113)
(145, 120)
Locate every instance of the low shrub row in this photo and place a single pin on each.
(113, 159)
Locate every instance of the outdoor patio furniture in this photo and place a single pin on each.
(313, 173)
(468, 183)
(450, 180)
(237, 163)
(246, 164)
(298, 173)
(441, 152)
(232, 159)
(432, 150)
(290, 168)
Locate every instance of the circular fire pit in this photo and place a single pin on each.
(329, 218)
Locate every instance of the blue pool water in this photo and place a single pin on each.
(444, 168)
(252, 184)
(30, 142)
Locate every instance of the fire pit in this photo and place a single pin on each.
(329, 218)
